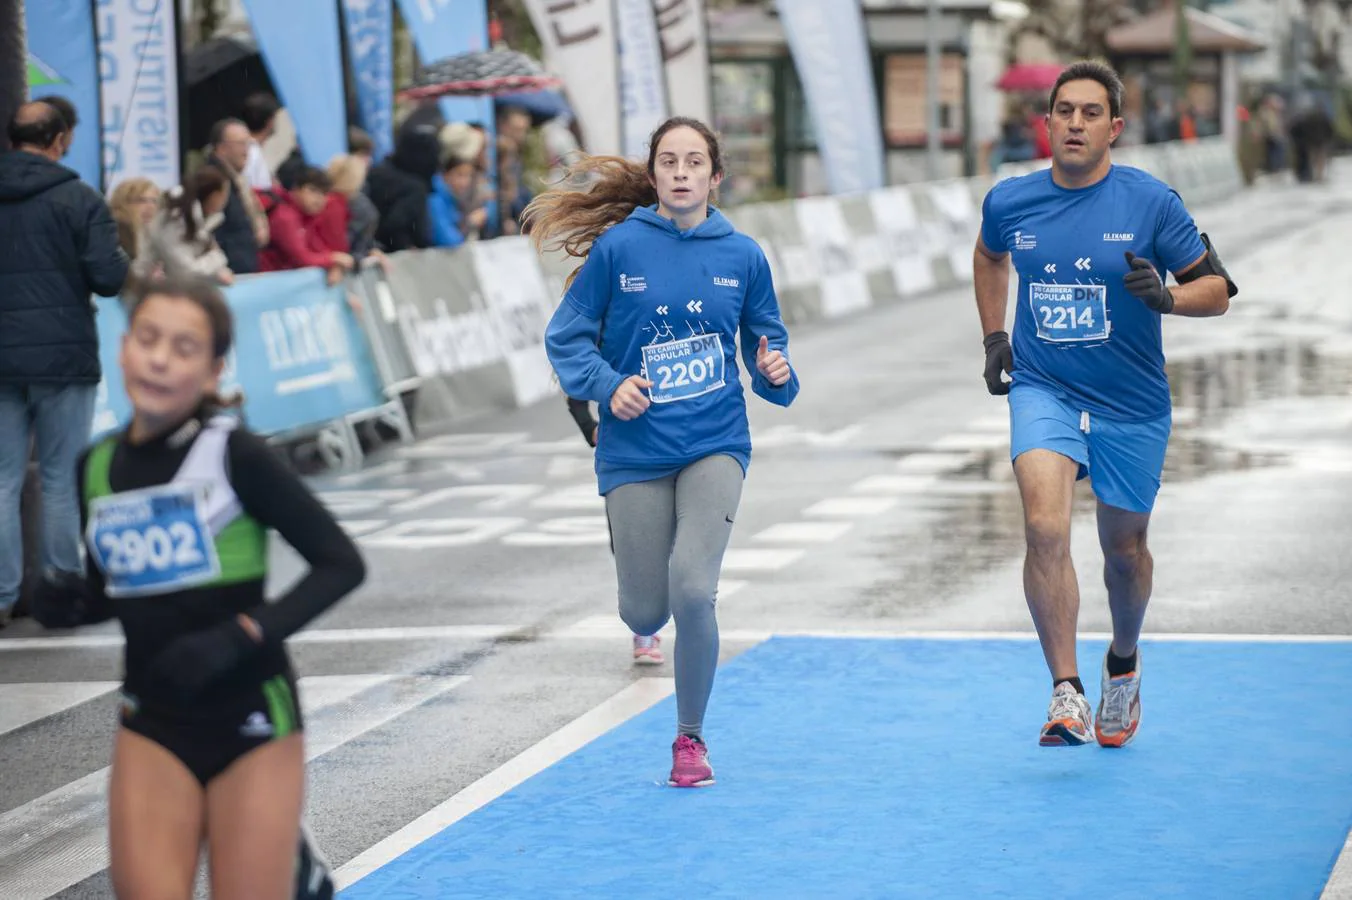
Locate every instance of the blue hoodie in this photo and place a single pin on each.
(667, 304)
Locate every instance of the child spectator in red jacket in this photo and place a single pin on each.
(292, 221)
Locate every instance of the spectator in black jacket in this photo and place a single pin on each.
(244, 229)
(58, 247)
(399, 186)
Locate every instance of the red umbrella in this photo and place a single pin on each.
(1030, 77)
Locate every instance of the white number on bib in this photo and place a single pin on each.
(1070, 312)
(152, 541)
(684, 369)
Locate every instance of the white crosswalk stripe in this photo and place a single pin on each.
(59, 839)
(22, 704)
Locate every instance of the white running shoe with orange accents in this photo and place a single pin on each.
(1069, 719)
(1119, 710)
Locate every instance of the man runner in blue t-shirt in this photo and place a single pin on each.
(1089, 395)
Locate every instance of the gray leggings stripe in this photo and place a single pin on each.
(669, 536)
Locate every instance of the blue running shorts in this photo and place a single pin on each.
(1123, 460)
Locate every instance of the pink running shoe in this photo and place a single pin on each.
(648, 650)
(690, 763)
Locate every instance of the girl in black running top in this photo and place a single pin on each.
(176, 512)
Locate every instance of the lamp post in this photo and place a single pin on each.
(13, 63)
(933, 148)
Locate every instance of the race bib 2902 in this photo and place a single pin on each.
(681, 370)
(1070, 312)
(152, 541)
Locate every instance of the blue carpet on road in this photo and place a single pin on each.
(910, 768)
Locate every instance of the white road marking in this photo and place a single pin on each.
(895, 484)
(933, 463)
(422, 534)
(562, 468)
(354, 503)
(759, 560)
(578, 496)
(848, 507)
(988, 440)
(565, 532)
(919, 486)
(1339, 885)
(489, 496)
(623, 706)
(60, 838)
(726, 588)
(361, 527)
(803, 532)
(998, 422)
(607, 627)
(24, 703)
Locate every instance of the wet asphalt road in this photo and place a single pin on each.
(882, 501)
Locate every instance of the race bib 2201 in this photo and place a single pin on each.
(1070, 312)
(683, 369)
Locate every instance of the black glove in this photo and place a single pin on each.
(194, 662)
(1144, 282)
(999, 358)
(61, 600)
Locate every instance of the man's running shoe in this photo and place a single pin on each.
(690, 763)
(1119, 711)
(647, 650)
(1069, 719)
(314, 881)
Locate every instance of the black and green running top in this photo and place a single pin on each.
(114, 476)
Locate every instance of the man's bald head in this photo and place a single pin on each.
(37, 127)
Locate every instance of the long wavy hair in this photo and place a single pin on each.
(571, 219)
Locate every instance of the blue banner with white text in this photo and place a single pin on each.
(138, 90)
(370, 30)
(63, 60)
(300, 356)
(299, 42)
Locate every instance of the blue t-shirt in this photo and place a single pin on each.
(669, 305)
(1078, 332)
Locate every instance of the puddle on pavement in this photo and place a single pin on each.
(973, 522)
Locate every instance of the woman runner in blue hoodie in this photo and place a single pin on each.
(648, 330)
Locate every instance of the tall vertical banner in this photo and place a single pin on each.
(582, 48)
(138, 83)
(643, 80)
(370, 31)
(443, 28)
(63, 60)
(299, 43)
(684, 32)
(830, 51)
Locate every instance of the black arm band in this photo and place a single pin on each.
(1210, 265)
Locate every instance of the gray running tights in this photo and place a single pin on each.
(669, 537)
